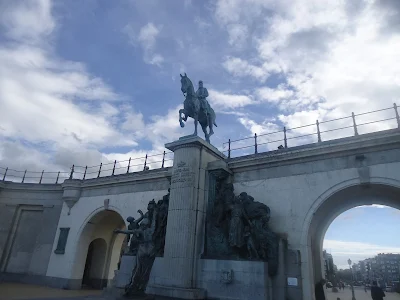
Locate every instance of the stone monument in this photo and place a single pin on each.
(210, 242)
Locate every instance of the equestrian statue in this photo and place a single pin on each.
(197, 107)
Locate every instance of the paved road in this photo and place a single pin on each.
(359, 293)
(11, 291)
(17, 291)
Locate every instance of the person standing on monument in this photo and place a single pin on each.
(202, 94)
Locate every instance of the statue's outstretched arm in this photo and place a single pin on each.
(124, 231)
(141, 217)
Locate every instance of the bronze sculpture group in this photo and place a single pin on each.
(147, 240)
(237, 228)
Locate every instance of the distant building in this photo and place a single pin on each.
(330, 267)
(383, 267)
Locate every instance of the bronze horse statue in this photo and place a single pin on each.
(192, 108)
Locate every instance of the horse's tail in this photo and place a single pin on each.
(212, 115)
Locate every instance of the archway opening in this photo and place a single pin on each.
(99, 250)
(360, 247)
(95, 259)
(330, 209)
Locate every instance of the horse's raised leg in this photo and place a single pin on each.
(196, 120)
(181, 111)
(207, 136)
(210, 124)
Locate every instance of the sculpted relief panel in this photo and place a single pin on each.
(237, 228)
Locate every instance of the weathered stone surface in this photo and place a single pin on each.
(185, 218)
(304, 187)
(28, 219)
(250, 279)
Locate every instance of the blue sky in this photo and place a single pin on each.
(84, 82)
(363, 232)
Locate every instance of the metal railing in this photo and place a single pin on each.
(312, 132)
(131, 165)
(8, 174)
(295, 136)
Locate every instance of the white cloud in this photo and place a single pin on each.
(221, 100)
(43, 92)
(274, 95)
(241, 68)
(27, 21)
(254, 127)
(335, 57)
(238, 34)
(328, 59)
(233, 11)
(356, 251)
(47, 121)
(201, 23)
(164, 129)
(269, 134)
(373, 206)
(147, 38)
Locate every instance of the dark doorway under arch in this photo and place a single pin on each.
(93, 275)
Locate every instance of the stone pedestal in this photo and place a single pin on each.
(236, 280)
(186, 219)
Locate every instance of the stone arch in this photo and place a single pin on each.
(99, 225)
(338, 199)
(93, 214)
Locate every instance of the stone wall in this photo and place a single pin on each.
(89, 218)
(293, 184)
(298, 184)
(33, 218)
(29, 215)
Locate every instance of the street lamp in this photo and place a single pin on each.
(352, 287)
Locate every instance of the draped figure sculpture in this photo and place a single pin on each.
(238, 229)
(149, 239)
(146, 254)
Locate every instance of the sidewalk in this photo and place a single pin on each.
(360, 294)
(11, 291)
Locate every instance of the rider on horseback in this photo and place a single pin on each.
(197, 107)
(202, 94)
